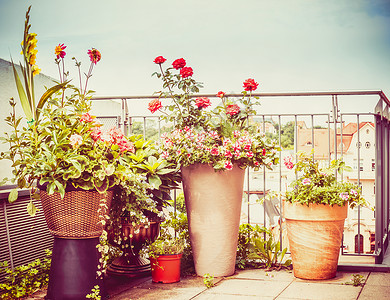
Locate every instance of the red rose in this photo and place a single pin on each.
(202, 102)
(154, 105)
(179, 63)
(186, 72)
(220, 94)
(250, 85)
(159, 60)
(232, 109)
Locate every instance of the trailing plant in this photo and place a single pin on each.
(320, 185)
(257, 248)
(26, 279)
(95, 293)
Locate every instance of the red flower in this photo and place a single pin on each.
(159, 60)
(154, 105)
(59, 51)
(232, 109)
(186, 72)
(86, 118)
(202, 102)
(250, 85)
(264, 151)
(179, 63)
(220, 94)
(214, 151)
(228, 165)
(94, 55)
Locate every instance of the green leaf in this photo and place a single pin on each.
(155, 181)
(13, 195)
(31, 209)
(48, 94)
(24, 101)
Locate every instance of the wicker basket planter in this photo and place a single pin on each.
(314, 234)
(77, 215)
(213, 200)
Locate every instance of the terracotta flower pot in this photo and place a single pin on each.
(314, 234)
(166, 268)
(213, 201)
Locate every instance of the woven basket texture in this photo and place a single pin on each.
(76, 216)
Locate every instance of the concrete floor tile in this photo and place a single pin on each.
(229, 297)
(282, 275)
(341, 278)
(243, 287)
(381, 279)
(371, 292)
(323, 291)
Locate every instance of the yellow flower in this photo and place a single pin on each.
(35, 70)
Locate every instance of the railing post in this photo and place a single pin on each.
(378, 184)
(8, 234)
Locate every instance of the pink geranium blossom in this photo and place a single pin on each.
(228, 165)
(76, 140)
(306, 181)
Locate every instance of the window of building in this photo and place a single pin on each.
(368, 131)
(368, 145)
(373, 165)
(358, 144)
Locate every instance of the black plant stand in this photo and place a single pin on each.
(73, 269)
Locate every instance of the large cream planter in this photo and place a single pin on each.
(314, 233)
(213, 201)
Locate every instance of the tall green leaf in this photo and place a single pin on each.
(22, 95)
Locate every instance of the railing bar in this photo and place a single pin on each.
(8, 235)
(359, 169)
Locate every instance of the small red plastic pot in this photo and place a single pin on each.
(166, 268)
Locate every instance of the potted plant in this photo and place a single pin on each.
(135, 218)
(213, 149)
(315, 210)
(165, 257)
(75, 167)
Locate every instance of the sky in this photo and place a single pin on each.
(285, 45)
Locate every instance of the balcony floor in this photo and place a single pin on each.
(254, 284)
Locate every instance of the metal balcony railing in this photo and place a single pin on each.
(354, 125)
(332, 133)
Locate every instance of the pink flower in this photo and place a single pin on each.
(257, 163)
(213, 135)
(265, 151)
(96, 132)
(220, 94)
(249, 154)
(94, 55)
(228, 154)
(179, 63)
(232, 109)
(306, 181)
(237, 154)
(228, 165)
(186, 72)
(154, 105)
(86, 118)
(75, 140)
(250, 85)
(59, 51)
(353, 193)
(344, 196)
(159, 60)
(247, 147)
(165, 154)
(288, 162)
(202, 102)
(214, 151)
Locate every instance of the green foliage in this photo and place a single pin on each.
(208, 280)
(320, 185)
(174, 230)
(257, 248)
(25, 280)
(356, 280)
(180, 203)
(95, 293)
